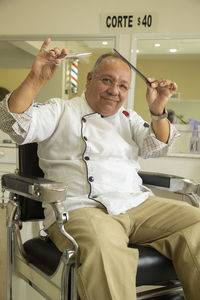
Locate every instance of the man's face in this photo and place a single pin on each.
(106, 90)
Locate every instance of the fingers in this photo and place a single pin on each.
(54, 55)
(45, 44)
(163, 83)
(55, 52)
(173, 87)
(58, 55)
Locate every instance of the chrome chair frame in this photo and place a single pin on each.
(65, 273)
(64, 279)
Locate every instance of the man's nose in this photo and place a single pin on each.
(114, 89)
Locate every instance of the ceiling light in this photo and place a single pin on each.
(157, 45)
(137, 51)
(172, 50)
(105, 43)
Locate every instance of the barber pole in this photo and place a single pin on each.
(67, 77)
(74, 76)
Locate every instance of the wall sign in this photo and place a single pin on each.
(135, 22)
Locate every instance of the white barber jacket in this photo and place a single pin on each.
(96, 156)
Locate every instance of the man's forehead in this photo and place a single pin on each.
(114, 63)
(114, 59)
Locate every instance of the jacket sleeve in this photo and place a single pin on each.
(36, 124)
(143, 135)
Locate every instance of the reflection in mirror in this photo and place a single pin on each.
(16, 58)
(175, 59)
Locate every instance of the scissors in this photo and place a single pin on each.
(73, 55)
(133, 68)
(63, 56)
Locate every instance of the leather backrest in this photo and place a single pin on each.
(29, 167)
(28, 161)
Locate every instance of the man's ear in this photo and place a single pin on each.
(89, 78)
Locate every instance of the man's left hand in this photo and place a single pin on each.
(158, 94)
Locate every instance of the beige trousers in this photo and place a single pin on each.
(108, 267)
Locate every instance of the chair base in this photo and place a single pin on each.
(171, 296)
(175, 292)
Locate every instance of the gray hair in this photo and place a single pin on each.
(99, 60)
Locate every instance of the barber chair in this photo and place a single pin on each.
(43, 266)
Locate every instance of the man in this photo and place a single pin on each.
(92, 144)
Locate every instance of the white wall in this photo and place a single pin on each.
(83, 16)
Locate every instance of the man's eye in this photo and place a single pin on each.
(107, 81)
(123, 87)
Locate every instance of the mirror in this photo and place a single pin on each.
(175, 59)
(16, 58)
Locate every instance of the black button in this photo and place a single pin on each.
(91, 178)
(84, 119)
(85, 138)
(87, 158)
(146, 124)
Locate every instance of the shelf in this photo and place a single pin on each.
(183, 101)
(184, 155)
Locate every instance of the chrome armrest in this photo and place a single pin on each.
(172, 183)
(42, 190)
(39, 189)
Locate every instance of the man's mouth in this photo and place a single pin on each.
(113, 99)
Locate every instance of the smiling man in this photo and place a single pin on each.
(107, 85)
(92, 143)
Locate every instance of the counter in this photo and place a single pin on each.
(179, 164)
(179, 161)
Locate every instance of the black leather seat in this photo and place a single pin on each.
(150, 261)
(153, 268)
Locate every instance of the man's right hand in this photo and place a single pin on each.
(47, 63)
(44, 68)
